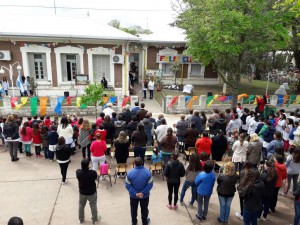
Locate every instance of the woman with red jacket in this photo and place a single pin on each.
(26, 137)
(36, 139)
(204, 144)
(261, 102)
(98, 148)
(47, 122)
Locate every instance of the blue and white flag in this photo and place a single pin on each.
(19, 82)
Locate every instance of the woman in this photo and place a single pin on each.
(191, 173)
(181, 127)
(297, 204)
(191, 136)
(168, 144)
(220, 123)
(63, 153)
(83, 139)
(239, 149)
(131, 127)
(65, 130)
(269, 177)
(226, 189)
(219, 146)
(145, 87)
(251, 188)
(11, 135)
(173, 171)
(204, 119)
(110, 129)
(122, 148)
(276, 143)
(5, 85)
(254, 151)
(293, 169)
(261, 102)
(139, 141)
(98, 148)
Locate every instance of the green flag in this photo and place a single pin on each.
(292, 98)
(248, 100)
(209, 98)
(83, 106)
(33, 105)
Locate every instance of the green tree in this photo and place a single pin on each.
(115, 23)
(93, 95)
(175, 69)
(230, 33)
(134, 30)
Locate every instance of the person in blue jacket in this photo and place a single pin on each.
(139, 182)
(205, 183)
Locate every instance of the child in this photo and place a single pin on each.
(156, 156)
(37, 140)
(26, 138)
(286, 133)
(101, 131)
(47, 122)
(203, 159)
(45, 141)
(271, 119)
(53, 139)
(20, 145)
(29, 121)
(205, 183)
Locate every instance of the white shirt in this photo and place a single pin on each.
(151, 85)
(239, 152)
(161, 131)
(5, 85)
(108, 111)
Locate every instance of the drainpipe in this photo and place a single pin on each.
(126, 69)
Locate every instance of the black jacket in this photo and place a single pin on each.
(297, 192)
(11, 131)
(269, 185)
(131, 127)
(173, 171)
(122, 151)
(198, 123)
(226, 185)
(63, 153)
(218, 147)
(127, 116)
(86, 181)
(139, 139)
(220, 124)
(110, 129)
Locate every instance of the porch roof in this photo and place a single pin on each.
(173, 35)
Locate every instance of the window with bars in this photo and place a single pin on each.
(166, 69)
(101, 67)
(196, 70)
(38, 65)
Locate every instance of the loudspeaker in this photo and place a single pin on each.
(66, 94)
(209, 93)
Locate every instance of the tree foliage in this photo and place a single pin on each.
(93, 95)
(134, 30)
(229, 34)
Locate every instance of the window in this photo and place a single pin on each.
(38, 67)
(166, 69)
(101, 67)
(196, 70)
(70, 66)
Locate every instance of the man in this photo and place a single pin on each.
(198, 121)
(109, 110)
(140, 114)
(15, 221)
(135, 108)
(161, 130)
(104, 82)
(139, 182)
(127, 114)
(87, 191)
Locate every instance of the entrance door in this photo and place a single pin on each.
(134, 64)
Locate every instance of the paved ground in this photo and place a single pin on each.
(31, 188)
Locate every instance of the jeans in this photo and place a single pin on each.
(186, 186)
(139, 152)
(134, 203)
(266, 205)
(203, 201)
(86, 149)
(145, 93)
(46, 152)
(151, 94)
(273, 202)
(27, 148)
(51, 155)
(173, 187)
(297, 212)
(238, 165)
(63, 170)
(166, 158)
(13, 149)
(93, 204)
(97, 161)
(20, 145)
(291, 177)
(225, 203)
(250, 218)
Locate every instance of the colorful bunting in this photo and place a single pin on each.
(187, 98)
(242, 96)
(33, 105)
(78, 101)
(125, 100)
(24, 100)
(58, 106)
(105, 100)
(14, 103)
(212, 100)
(222, 98)
(174, 100)
(69, 100)
(43, 105)
(248, 100)
(194, 98)
(297, 101)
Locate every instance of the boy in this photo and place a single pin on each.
(53, 139)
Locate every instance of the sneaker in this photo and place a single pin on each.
(148, 221)
(238, 215)
(181, 203)
(169, 206)
(191, 205)
(264, 218)
(98, 220)
(198, 219)
(282, 194)
(204, 217)
(175, 207)
(80, 221)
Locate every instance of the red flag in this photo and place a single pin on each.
(125, 100)
(222, 98)
(69, 100)
(173, 101)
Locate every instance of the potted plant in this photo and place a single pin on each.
(158, 83)
(175, 69)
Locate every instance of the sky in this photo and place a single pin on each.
(133, 12)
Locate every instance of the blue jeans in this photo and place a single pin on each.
(203, 201)
(166, 158)
(225, 203)
(250, 218)
(186, 186)
(297, 212)
(266, 205)
(139, 152)
(46, 152)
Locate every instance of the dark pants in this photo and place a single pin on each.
(250, 218)
(151, 94)
(297, 212)
(51, 155)
(145, 93)
(266, 205)
(20, 147)
(291, 177)
(171, 188)
(273, 202)
(241, 204)
(139, 152)
(37, 150)
(86, 149)
(238, 165)
(134, 203)
(6, 92)
(63, 170)
(46, 152)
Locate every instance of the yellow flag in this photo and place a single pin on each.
(194, 98)
(24, 100)
(297, 100)
(18, 106)
(105, 99)
(78, 101)
(211, 101)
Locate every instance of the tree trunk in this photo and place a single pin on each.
(234, 91)
(297, 58)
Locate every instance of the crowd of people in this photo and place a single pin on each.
(259, 155)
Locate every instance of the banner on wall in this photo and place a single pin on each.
(43, 105)
(33, 105)
(168, 58)
(58, 106)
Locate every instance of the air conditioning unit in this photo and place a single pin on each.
(118, 59)
(5, 55)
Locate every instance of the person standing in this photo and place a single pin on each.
(139, 141)
(219, 146)
(139, 182)
(181, 127)
(204, 143)
(11, 135)
(104, 82)
(254, 152)
(65, 130)
(98, 148)
(63, 153)
(145, 87)
(190, 136)
(53, 140)
(87, 191)
(198, 121)
(151, 87)
(173, 171)
(239, 149)
(141, 113)
(168, 144)
(108, 110)
(26, 137)
(122, 148)
(297, 204)
(5, 85)
(293, 169)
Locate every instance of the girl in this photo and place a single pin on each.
(226, 189)
(26, 137)
(293, 168)
(53, 139)
(37, 140)
(191, 173)
(83, 138)
(286, 132)
(98, 148)
(276, 143)
(5, 85)
(239, 149)
(173, 171)
(45, 141)
(281, 124)
(63, 153)
(156, 156)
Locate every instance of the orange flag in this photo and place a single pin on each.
(194, 98)
(43, 105)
